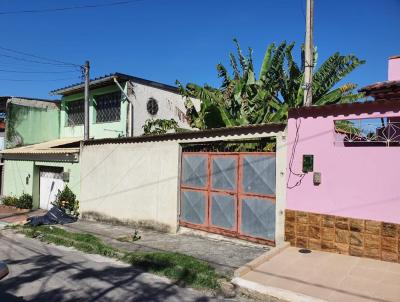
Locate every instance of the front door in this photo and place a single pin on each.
(51, 181)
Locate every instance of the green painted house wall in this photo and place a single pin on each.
(96, 130)
(31, 125)
(17, 172)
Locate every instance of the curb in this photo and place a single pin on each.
(260, 259)
(271, 294)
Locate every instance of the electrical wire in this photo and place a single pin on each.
(38, 57)
(36, 72)
(34, 61)
(37, 80)
(59, 9)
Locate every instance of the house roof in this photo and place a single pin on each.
(7, 97)
(381, 85)
(382, 106)
(208, 133)
(389, 90)
(58, 146)
(34, 103)
(109, 79)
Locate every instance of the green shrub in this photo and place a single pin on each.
(67, 202)
(25, 201)
(10, 201)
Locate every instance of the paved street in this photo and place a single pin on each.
(41, 272)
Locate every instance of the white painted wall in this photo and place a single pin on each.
(137, 182)
(140, 181)
(170, 106)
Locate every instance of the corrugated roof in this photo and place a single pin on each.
(107, 80)
(347, 108)
(216, 132)
(58, 146)
(387, 85)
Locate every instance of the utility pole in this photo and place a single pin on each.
(86, 69)
(309, 54)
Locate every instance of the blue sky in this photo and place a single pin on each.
(165, 40)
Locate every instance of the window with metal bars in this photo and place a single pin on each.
(108, 107)
(75, 113)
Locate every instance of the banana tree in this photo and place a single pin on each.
(243, 99)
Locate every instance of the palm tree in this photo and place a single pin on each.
(244, 99)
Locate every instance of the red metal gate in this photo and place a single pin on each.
(229, 193)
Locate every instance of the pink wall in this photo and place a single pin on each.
(394, 69)
(358, 182)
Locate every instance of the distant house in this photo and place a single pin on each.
(47, 153)
(109, 108)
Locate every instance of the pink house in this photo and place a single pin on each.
(343, 191)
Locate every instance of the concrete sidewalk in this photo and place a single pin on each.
(326, 277)
(226, 256)
(14, 215)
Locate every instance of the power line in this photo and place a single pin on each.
(36, 72)
(59, 9)
(38, 57)
(37, 80)
(37, 62)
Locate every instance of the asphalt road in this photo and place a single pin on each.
(42, 272)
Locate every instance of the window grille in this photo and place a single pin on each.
(371, 132)
(152, 106)
(75, 113)
(108, 107)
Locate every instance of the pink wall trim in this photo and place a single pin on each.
(358, 182)
(394, 69)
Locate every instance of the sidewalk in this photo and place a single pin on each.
(14, 215)
(325, 276)
(225, 256)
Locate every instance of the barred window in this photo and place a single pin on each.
(108, 107)
(75, 113)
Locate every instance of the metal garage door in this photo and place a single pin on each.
(229, 193)
(51, 181)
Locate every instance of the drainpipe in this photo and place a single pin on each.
(130, 107)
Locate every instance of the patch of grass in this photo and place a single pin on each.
(183, 269)
(83, 242)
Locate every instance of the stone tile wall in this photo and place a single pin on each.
(343, 235)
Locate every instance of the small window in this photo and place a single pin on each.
(75, 113)
(108, 107)
(152, 106)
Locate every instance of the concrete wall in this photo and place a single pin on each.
(170, 106)
(28, 125)
(358, 182)
(139, 182)
(17, 171)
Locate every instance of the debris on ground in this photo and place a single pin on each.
(130, 237)
(54, 216)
